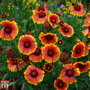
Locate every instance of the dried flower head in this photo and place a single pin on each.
(29, 33)
(12, 19)
(4, 15)
(63, 57)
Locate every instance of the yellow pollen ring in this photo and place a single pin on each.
(3, 52)
(60, 84)
(69, 72)
(7, 29)
(60, 42)
(50, 52)
(78, 51)
(48, 67)
(33, 73)
(26, 44)
(20, 62)
(66, 30)
(53, 20)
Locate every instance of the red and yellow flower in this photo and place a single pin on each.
(68, 73)
(33, 75)
(40, 14)
(86, 47)
(9, 31)
(83, 67)
(50, 53)
(77, 10)
(86, 31)
(39, 17)
(87, 20)
(66, 30)
(48, 38)
(62, 23)
(12, 64)
(60, 42)
(15, 63)
(19, 27)
(78, 50)
(21, 64)
(48, 67)
(44, 9)
(53, 20)
(27, 44)
(36, 56)
(60, 84)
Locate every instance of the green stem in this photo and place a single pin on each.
(36, 30)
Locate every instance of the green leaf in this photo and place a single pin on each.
(5, 76)
(76, 86)
(30, 87)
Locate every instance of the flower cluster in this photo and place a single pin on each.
(47, 47)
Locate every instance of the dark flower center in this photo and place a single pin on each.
(14, 62)
(89, 28)
(60, 42)
(60, 84)
(20, 62)
(27, 44)
(48, 37)
(69, 73)
(7, 30)
(66, 30)
(34, 73)
(77, 7)
(41, 9)
(53, 20)
(25, 58)
(81, 66)
(78, 51)
(49, 68)
(42, 15)
(37, 52)
(50, 53)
